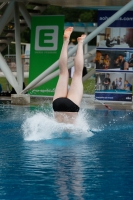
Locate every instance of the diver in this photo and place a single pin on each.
(66, 103)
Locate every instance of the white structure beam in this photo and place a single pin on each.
(25, 14)
(18, 47)
(89, 74)
(56, 73)
(8, 74)
(5, 18)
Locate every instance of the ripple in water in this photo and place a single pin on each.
(42, 126)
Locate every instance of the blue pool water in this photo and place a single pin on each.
(40, 159)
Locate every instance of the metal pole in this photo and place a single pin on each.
(25, 14)
(4, 19)
(86, 47)
(120, 12)
(8, 74)
(89, 74)
(8, 50)
(18, 47)
(56, 73)
(88, 38)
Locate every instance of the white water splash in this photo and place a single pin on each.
(41, 126)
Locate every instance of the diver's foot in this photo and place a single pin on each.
(67, 33)
(81, 39)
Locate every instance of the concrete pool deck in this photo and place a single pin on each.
(88, 102)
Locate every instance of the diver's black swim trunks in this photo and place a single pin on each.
(63, 104)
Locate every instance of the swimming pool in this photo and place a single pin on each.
(40, 159)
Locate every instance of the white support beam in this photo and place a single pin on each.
(89, 74)
(5, 18)
(56, 73)
(25, 14)
(8, 74)
(120, 12)
(10, 17)
(18, 47)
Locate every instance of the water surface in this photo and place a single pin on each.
(41, 159)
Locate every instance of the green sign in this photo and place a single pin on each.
(46, 44)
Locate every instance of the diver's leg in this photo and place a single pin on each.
(62, 85)
(76, 89)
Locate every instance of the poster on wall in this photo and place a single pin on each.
(111, 86)
(46, 43)
(114, 58)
